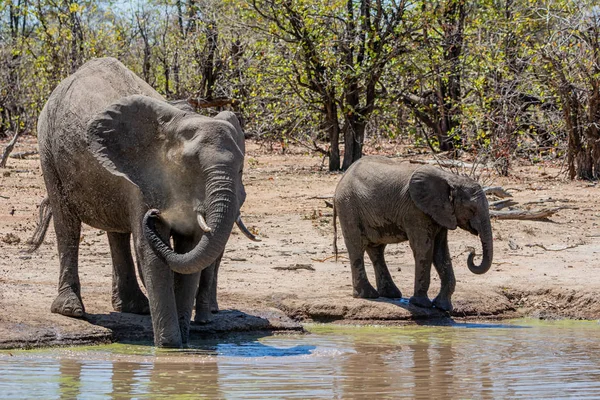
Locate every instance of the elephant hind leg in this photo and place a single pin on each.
(362, 288)
(206, 299)
(68, 230)
(126, 293)
(385, 285)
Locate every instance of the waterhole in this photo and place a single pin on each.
(525, 358)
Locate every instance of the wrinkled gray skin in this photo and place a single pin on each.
(117, 157)
(380, 201)
(206, 299)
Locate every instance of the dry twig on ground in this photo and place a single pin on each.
(524, 214)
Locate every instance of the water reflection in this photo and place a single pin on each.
(481, 361)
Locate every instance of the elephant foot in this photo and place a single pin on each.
(173, 343)
(443, 304)
(67, 303)
(366, 291)
(136, 304)
(420, 301)
(390, 292)
(203, 316)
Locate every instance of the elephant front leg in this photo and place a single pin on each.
(206, 299)
(443, 265)
(385, 285)
(68, 229)
(126, 293)
(186, 286)
(160, 286)
(422, 247)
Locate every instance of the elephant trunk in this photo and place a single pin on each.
(485, 234)
(220, 216)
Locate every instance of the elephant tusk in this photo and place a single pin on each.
(245, 230)
(203, 225)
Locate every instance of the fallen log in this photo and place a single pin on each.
(500, 204)
(497, 191)
(21, 155)
(295, 267)
(524, 214)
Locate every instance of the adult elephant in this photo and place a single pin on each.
(380, 201)
(115, 155)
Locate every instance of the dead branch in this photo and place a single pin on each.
(328, 204)
(10, 147)
(329, 258)
(548, 249)
(444, 163)
(547, 200)
(524, 214)
(315, 146)
(295, 267)
(207, 103)
(322, 197)
(500, 204)
(496, 191)
(21, 155)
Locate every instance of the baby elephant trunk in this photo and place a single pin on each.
(485, 234)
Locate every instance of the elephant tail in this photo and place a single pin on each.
(335, 248)
(43, 223)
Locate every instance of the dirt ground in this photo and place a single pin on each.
(545, 269)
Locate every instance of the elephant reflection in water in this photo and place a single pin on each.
(126, 379)
(423, 366)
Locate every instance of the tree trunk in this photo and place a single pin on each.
(354, 136)
(333, 128)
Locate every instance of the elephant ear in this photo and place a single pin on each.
(233, 120)
(432, 194)
(130, 138)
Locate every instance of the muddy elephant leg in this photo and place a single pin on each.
(126, 293)
(186, 287)
(362, 288)
(68, 230)
(206, 299)
(422, 247)
(443, 265)
(160, 286)
(214, 303)
(385, 285)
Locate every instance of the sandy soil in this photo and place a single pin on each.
(547, 269)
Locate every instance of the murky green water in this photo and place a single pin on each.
(525, 359)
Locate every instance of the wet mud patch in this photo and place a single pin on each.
(118, 327)
(477, 305)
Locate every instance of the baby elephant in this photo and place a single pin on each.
(380, 201)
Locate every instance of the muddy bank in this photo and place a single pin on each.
(546, 269)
